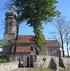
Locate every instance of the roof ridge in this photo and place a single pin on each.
(51, 40)
(25, 35)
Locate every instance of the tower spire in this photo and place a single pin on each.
(10, 25)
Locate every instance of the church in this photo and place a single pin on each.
(25, 48)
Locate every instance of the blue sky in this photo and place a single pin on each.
(63, 6)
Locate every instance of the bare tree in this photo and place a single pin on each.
(67, 39)
(62, 32)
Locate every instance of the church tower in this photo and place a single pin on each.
(10, 26)
(10, 31)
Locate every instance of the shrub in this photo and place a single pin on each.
(3, 60)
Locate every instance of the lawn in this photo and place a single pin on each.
(41, 68)
(38, 69)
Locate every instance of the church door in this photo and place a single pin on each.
(28, 62)
(31, 61)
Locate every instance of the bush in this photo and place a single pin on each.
(3, 60)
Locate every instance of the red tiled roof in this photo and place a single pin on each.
(26, 39)
(20, 49)
(30, 39)
(52, 43)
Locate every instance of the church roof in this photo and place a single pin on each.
(22, 49)
(30, 39)
(26, 38)
(52, 43)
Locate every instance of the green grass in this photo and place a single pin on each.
(41, 68)
(3, 60)
(38, 69)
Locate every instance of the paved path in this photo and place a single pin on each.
(20, 69)
(25, 69)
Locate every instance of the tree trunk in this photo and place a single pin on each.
(62, 45)
(67, 50)
(63, 50)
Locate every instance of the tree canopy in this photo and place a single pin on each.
(35, 12)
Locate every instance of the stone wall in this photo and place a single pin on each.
(45, 61)
(66, 62)
(9, 66)
(51, 61)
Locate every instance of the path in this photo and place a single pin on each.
(20, 69)
(25, 69)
